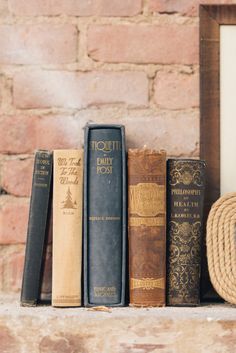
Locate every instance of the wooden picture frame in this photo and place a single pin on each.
(211, 18)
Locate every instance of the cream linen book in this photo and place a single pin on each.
(67, 227)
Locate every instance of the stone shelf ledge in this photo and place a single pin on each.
(209, 328)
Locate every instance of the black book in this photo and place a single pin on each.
(185, 201)
(104, 215)
(37, 228)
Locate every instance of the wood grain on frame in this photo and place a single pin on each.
(211, 17)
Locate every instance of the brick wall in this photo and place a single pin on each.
(65, 63)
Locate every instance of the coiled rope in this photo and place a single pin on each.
(221, 246)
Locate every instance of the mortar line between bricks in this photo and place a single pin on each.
(152, 109)
(156, 19)
(109, 67)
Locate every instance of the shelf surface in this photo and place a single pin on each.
(208, 328)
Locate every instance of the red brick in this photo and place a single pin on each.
(45, 89)
(13, 219)
(1, 90)
(1, 274)
(13, 270)
(8, 341)
(38, 44)
(75, 8)
(16, 178)
(185, 7)
(169, 44)
(4, 8)
(17, 134)
(176, 90)
(176, 132)
(25, 134)
(52, 132)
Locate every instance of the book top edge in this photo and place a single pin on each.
(145, 151)
(169, 160)
(104, 126)
(69, 150)
(43, 151)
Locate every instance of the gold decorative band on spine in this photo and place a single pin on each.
(221, 246)
(147, 283)
(146, 199)
(148, 222)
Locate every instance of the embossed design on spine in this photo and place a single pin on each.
(146, 199)
(68, 202)
(147, 239)
(147, 283)
(185, 201)
(187, 173)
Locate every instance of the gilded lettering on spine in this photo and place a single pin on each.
(185, 200)
(146, 199)
(67, 227)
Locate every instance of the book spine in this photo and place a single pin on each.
(46, 285)
(67, 227)
(147, 227)
(37, 228)
(104, 216)
(185, 194)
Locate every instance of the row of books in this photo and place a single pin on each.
(126, 226)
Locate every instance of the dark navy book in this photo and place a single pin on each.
(38, 227)
(104, 215)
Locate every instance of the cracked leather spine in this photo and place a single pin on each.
(147, 227)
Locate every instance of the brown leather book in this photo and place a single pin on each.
(147, 227)
(67, 227)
